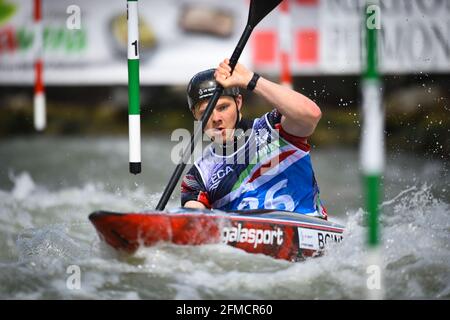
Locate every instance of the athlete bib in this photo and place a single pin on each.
(267, 172)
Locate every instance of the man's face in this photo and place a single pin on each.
(220, 126)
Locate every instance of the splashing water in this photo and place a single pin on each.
(44, 231)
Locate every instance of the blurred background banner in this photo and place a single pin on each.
(414, 36)
(178, 38)
(326, 37)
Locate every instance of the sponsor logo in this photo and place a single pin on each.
(307, 238)
(324, 237)
(253, 236)
(315, 239)
(203, 92)
(219, 175)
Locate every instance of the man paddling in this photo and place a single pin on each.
(252, 164)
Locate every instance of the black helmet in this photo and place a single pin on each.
(202, 86)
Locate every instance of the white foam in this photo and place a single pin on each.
(23, 185)
(48, 230)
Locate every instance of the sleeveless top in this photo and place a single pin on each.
(270, 169)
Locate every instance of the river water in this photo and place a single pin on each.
(48, 186)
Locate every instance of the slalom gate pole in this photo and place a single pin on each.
(372, 148)
(39, 108)
(134, 116)
(284, 32)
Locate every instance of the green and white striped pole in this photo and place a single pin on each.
(134, 117)
(372, 147)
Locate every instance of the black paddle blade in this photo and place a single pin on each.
(259, 9)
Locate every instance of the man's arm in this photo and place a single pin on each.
(193, 191)
(300, 114)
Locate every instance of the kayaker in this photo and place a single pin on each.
(252, 164)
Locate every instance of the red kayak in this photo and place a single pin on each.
(279, 234)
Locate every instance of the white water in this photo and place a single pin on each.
(49, 186)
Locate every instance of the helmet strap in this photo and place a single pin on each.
(236, 124)
(237, 114)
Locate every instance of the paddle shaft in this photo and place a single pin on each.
(204, 120)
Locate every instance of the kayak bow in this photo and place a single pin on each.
(279, 234)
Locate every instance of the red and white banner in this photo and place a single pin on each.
(326, 37)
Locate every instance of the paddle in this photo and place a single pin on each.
(258, 10)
